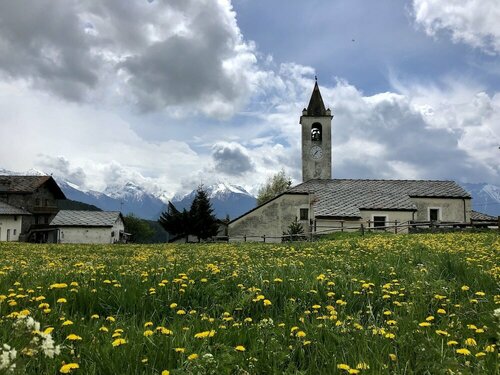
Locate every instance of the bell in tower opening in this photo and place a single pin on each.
(316, 123)
(316, 132)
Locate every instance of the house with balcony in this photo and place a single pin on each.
(36, 197)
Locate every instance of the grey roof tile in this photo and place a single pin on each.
(7, 209)
(479, 216)
(85, 218)
(340, 197)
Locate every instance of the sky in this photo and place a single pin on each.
(171, 94)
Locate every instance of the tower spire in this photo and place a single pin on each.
(316, 106)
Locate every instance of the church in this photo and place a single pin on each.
(322, 204)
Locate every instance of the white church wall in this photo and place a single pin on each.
(270, 219)
(451, 209)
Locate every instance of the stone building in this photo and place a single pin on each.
(322, 204)
(35, 195)
(72, 226)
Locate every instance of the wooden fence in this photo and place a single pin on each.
(364, 227)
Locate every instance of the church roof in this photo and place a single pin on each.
(316, 106)
(345, 198)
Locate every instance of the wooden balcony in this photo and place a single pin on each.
(44, 209)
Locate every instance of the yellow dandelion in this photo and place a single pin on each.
(463, 351)
(148, 333)
(68, 367)
(192, 357)
(240, 348)
(470, 342)
(119, 342)
(73, 337)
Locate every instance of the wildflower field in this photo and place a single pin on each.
(406, 304)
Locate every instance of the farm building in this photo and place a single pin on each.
(71, 226)
(322, 204)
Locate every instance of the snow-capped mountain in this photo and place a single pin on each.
(226, 200)
(129, 198)
(485, 197)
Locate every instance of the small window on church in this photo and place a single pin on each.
(433, 214)
(379, 222)
(304, 214)
(316, 131)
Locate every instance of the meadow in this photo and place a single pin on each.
(406, 304)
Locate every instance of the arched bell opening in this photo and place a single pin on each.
(316, 132)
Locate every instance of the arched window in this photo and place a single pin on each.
(316, 132)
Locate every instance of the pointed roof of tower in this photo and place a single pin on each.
(316, 106)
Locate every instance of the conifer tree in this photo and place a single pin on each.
(176, 223)
(203, 223)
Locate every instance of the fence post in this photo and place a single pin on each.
(245, 238)
(369, 226)
(362, 229)
(396, 226)
(498, 223)
(264, 237)
(342, 225)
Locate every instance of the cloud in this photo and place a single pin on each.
(187, 55)
(474, 22)
(421, 132)
(231, 159)
(60, 166)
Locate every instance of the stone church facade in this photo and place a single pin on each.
(322, 204)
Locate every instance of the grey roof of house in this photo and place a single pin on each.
(345, 198)
(7, 209)
(479, 216)
(29, 184)
(73, 218)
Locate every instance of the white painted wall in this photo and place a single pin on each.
(91, 234)
(451, 209)
(11, 223)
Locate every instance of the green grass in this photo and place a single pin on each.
(357, 299)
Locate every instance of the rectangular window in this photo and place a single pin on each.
(14, 232)
(379, 221)
(304, 214)
(37, 202)
(45, 219)
(433, 214)
(46, 203)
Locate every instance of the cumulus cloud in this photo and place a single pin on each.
(417, 133)
(175, 54)
(231, 159)
(474, 22)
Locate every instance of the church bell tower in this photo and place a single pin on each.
(316, 122)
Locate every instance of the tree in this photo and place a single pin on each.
(274, 186)
(294, 232)
(176, 223)
(203, 223)
(140, 230)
